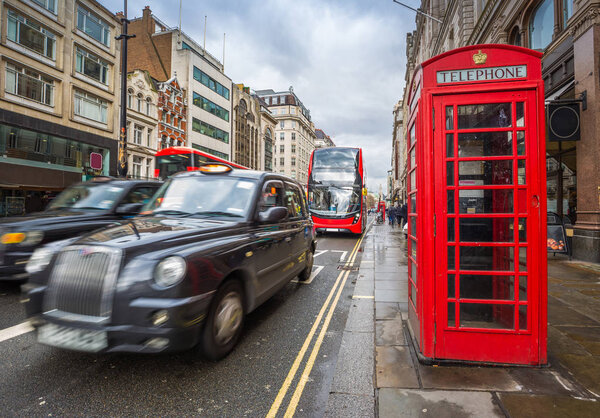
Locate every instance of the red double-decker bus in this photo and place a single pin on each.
(336, 180)
(175, 159)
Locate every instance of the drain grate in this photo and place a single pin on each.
(345, 267)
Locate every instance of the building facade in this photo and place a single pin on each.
(172, 114)
(142, 121)
(322, 140)
(59, 98)
(294, 133)
(397, 175)
(267, 124)
(568, 34)
(166, 52)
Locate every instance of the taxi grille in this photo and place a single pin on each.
(82, 281)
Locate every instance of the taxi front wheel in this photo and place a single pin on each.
(224, 323)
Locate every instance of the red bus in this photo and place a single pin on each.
(175, 159)
(336, 180)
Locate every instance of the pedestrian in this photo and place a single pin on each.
(392, 215)
(403, 214)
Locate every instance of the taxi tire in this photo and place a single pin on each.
(310, 259)
(210, 348)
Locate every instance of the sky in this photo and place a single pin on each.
(344, 58)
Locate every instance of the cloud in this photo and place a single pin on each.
(345, 59)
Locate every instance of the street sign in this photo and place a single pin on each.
(95, 161)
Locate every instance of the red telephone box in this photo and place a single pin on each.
(477, 207)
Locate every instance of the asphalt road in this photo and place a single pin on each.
(251, 381)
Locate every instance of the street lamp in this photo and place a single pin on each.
(122, 156)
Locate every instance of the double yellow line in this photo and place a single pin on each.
(337, 291)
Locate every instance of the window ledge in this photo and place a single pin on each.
(32, 104)
(44, 11)
(30, 53)
(91, 81)
(94, 41)
(91, 122)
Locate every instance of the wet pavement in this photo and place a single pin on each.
(378, 373)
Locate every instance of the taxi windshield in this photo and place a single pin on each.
(87, 196)
(204, 196)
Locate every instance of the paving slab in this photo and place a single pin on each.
(587, 337)
(560, 313)
(394, 367)
(547, 406)
(354, 369)
(344, 405)
(400, 295)
(361, 316)
(389, 333)
(543, 382)
(387, 310)
(399, 403)
(468, 378)
(391, 284)
(559, 343)
(364, 288)
(585, 369)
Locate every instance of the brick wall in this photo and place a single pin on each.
(148, 52)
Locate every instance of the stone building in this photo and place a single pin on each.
(59, 98)
(322, 140)
(252, 127)
(294, 133)
(568, 34)
(397, 175)
(142, 121)
(164, 52)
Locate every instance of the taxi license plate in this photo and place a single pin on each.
(72, 338)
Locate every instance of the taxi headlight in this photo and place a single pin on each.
(23, 238)
(169, 271)
(39, 260)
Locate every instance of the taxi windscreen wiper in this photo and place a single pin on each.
(216, 213)
(170, 212)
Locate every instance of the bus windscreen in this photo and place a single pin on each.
(170, 164)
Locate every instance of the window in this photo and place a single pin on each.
(293, 124)
(138, 131)
(211, 107)
(148, 106)
(282, 124)
(164, 117)
(137, 166)
(31, 35)
(91, 66)
(29, 84)
(49, 5)
(90, 107)
(149, 170)
(293, 200)
(293, 136)
(282, 136)
(282, 161)
(211, 151)
(293, 110)
(282, 148)
(293, 174)
(211, 83)
(293, 161)
(130, 98)
(515, 37)
(209, 130)
(567, 10)
(149, 138)
(541, 26)
(93, 26)
(138, 101)
(293, 148)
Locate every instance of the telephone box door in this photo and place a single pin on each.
(487, 173)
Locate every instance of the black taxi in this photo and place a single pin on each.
(210, 247)
(78, 209)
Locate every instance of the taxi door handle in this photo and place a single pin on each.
(288, 239)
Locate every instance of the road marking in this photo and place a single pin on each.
(291, 409)
(362, 297)
(318, 253)
(343, 257)
(12, 332)
(292, 373)
(312, 276)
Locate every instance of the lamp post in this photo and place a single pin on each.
(124, 37)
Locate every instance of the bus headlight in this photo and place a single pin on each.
(356, 218)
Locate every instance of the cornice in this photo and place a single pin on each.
(584, 19)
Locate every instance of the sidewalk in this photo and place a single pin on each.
(378, 374)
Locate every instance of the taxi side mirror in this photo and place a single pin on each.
(273, 214)
(129, 209)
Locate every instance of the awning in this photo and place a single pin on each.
(560, 91)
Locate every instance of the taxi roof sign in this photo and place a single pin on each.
(214, 168)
